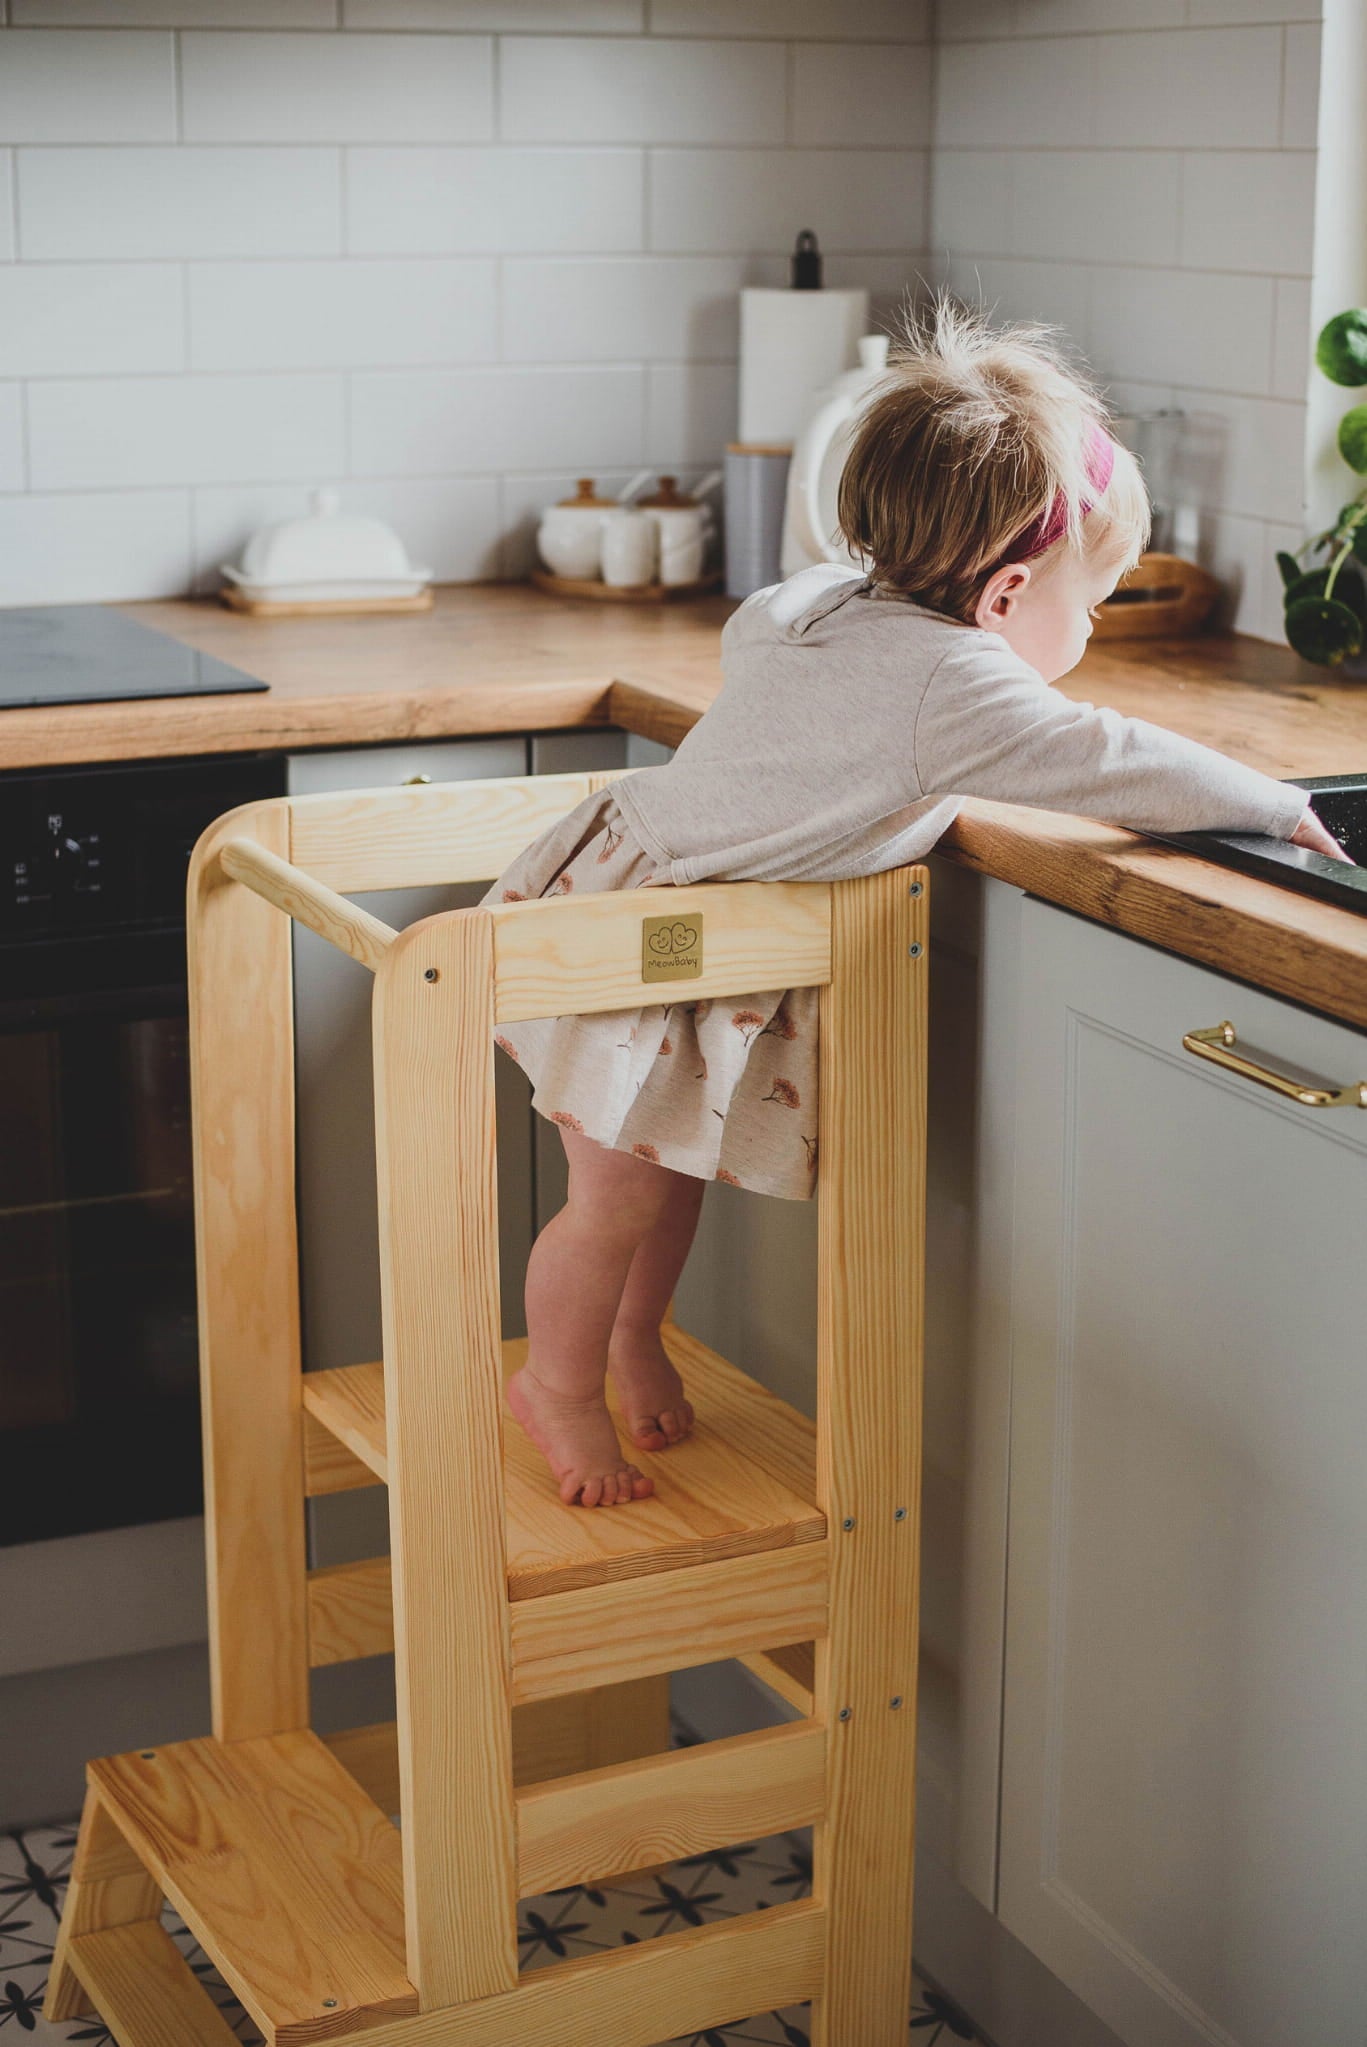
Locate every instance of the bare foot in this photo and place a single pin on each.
(651, 1393)
(578, 1441)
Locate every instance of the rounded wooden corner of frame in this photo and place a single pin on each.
(427, 933)
(203, 870)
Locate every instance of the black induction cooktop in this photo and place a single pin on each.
(1340, 803)
(88, 654)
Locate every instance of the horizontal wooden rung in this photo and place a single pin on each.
(574, 956)
(790, 1672)
(573, 1641)
(628, 1816)
(144, 1989)
(680, 1983)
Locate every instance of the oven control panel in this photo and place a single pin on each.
(102, 849)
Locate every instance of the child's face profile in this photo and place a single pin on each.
(1042, 609)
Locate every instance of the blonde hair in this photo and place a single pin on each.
(978, 434)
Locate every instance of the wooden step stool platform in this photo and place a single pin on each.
(792, 1545)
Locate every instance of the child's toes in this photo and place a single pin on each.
(641, 1486)
(591, 1491)
(648, 1434)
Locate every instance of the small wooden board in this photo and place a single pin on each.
(323, 607)
(600, 592)
(239, 1835)
(745, 1481)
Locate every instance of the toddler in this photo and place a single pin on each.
(993, 512)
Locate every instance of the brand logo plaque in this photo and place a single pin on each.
(671, 948)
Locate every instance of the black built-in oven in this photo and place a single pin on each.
(99, 1408)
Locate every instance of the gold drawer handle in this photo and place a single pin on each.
(1214, 1044)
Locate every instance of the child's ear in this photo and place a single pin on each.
(999, 595)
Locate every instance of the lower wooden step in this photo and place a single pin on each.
(144, 1989)
(287, 1874)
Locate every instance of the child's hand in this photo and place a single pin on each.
(1312, 834)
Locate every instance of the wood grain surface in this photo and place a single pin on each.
(507, 658)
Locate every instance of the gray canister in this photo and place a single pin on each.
(756, 488)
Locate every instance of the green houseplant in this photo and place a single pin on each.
(1326, 607)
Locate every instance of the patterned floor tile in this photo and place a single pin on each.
(584, 1920)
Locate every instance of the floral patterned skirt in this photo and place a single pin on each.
(722, 1090)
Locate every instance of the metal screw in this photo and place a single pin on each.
(843, 1714)
(848, 1523)
(899, 1513)
(895, 1701)
(147, 1754)
(430, 974)
(914, 888)
(914, 951)
(330, 2003)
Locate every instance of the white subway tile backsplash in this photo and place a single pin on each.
(1301, 88)
(175, 13)
(1293, 341)
(599, 89)
(1249, 210)
(753, 200)
(956, 21)
(861, 96)
(179, 202)
(1205, 13)
(970, 201)
(102, 86)
(1245, 455)
(690, 412)
(494, 201)
(444, 422)
(159, 430)
(59, 319)
(448, 525)
(1059, 294)
(1212, 333)
(620, 308)
(906, 21)
(1216, 88)
(1075, 17)
(353, 314)
(1096, 204)
(600, 17)
(6, 205)
(1021, 95)
(337, 88)
(11, 438)
(90, 550)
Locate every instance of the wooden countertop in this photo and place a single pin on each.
(500, 658)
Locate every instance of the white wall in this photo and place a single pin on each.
(447, 255)
(1142, 172)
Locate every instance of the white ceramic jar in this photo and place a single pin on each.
(569, 538)
(684, 528)
(630, 547)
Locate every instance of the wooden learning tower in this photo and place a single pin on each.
(532, 1641)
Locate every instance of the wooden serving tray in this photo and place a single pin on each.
(1162, 597)
(325, 607)
(622, 593)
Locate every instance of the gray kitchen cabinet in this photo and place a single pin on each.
(1182, 1299)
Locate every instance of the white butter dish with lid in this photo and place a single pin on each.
(327, 560)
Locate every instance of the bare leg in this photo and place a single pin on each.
(575, 1280)
(651, 1391)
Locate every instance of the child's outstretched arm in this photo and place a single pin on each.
(989, 726)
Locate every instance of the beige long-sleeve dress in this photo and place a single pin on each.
(849, 726)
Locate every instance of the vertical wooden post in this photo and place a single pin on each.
(869, 1387)
(242, 1107)
(108, 1887)
(434, 1127)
